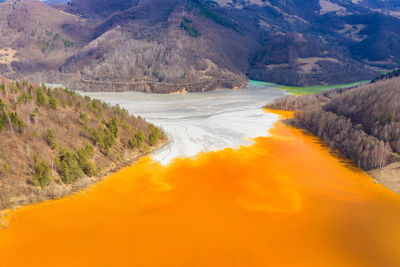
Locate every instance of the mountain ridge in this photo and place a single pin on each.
(97, 45)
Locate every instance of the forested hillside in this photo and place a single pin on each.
(54, 141)
(363, 123)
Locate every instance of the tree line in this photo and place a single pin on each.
(363, 122)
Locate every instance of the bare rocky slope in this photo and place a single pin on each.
(197, 45)
(54, 142)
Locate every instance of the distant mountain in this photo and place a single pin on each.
(198, 45)
(384, 5)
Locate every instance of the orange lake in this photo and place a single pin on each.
(283, 201)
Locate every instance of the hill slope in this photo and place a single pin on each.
(54, 142)
(197, 45)
(363, 123)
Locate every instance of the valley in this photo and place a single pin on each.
(199, 133)
(251, 205)
(196, 45)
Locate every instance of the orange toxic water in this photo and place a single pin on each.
(283, 201)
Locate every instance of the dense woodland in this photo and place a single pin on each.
(54, 141)
(363, 123)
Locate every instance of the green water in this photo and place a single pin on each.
(305, 90)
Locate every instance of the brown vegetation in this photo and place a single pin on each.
(43, 37)
(294, 59)
(54, 142)
(363, 123)
(166, 45)
(162, 65)
(118, 46)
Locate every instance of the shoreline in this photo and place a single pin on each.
(55, 191)
(388, 176)
(382, 176)
(253, 186)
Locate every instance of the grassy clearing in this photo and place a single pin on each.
(305, 90)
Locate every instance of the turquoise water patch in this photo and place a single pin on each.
(305, 90)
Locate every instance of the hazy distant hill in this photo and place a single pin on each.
(197, 45)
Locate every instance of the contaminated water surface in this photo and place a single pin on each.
(279, 200)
